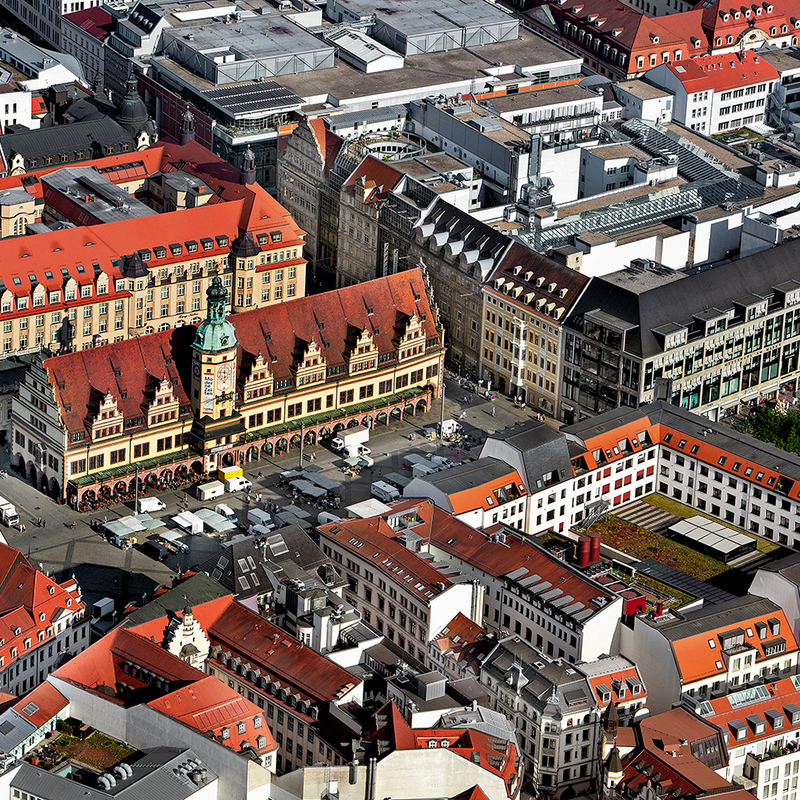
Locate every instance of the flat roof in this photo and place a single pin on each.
(619, 196)
(543, 97)
(643, 89)
(252, 37)
(432, 69)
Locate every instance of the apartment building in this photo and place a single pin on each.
(706, 653)
(43, 622)
(83, 35)
(231, 388)
(759, 726)
(706, 340)
(398, 591)
(480, 493)
(526, 301)
(297, 690)
(716, 93)
(139, 240)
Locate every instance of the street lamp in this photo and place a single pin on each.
(136, 489)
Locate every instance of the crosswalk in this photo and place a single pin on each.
(646, 516)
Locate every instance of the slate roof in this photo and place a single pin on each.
(676, 298)
(544, 451)
(59, 139)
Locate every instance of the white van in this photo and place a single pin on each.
(210, 491)
(238, 484)
(384, 492)
(227, 512)
(147, 505)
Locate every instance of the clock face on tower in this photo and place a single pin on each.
(196, 371)
(224, 376)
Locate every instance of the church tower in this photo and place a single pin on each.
(187, 126)
(217, 424)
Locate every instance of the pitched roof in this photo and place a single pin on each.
(649, 300)
(697, 639)
(539, 569)
(378, 178)
(389, 732)
(464, 641)
(131, 369)
(41, 705)
(101, 668)
(536, 283)
(210, 706)
(243, 631)
(721, 72)
(475, 484)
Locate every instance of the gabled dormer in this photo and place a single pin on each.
(310, 364)
(108, 418)
(259, 382)
(411, 338)
(364, 353)
(164, 405)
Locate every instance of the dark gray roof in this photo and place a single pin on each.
(193, 591)
(650, 300)
(716, 616)
(789, 567)
(736, 444)
(544, 449)
(468, 475)
(65, 139)
(158, 773)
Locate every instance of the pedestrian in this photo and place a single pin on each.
(44, 522)
(494, 411)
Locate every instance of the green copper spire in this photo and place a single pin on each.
(215, 334)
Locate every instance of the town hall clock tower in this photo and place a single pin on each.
(217, 425)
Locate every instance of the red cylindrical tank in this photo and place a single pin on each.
(659, 609)
(583, 551)
(594, 552)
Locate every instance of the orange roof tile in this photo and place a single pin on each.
(41, 705)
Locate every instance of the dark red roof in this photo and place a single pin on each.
(95, 21)
(332, 319)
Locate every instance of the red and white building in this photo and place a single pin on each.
(40, 621)
(719, 92)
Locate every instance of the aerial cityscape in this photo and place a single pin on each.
(399, 402)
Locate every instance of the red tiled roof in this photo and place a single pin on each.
(780, 694)
(721, 72)
(43, 703)
(459, 539)
(209, 706)
(375, 540)
(134, 365)
(608, 679)
(244, 632)
(667, 748)
(95, 21)
(696, 659)
(328, 143)
(378, 178)
(535, 275)
(495, 755)
(101, 665)
(465, 641)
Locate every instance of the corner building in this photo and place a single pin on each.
(230, 390)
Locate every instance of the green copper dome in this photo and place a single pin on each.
(215, 334)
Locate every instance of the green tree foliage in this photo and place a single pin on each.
(780, 429)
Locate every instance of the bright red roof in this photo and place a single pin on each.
(210, 706)
(722, 72)
(465, 641)
(41, 705)
(95, 21)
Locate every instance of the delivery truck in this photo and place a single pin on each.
(8, 513)
(209, 491)
(349, 438)
(223, 473)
